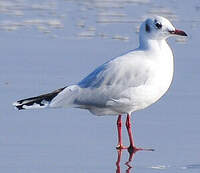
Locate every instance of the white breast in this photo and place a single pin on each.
(161, 69)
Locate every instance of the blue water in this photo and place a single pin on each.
(45, 46)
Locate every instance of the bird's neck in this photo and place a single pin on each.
(150, 44)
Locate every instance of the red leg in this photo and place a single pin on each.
(132, 147)
(119, 129)
(130, 135)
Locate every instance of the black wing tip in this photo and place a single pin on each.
(39, 100)
(18, 105)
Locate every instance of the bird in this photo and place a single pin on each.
(122, 85)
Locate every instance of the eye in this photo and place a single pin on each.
(158, 25)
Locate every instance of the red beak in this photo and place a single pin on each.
(178, 32)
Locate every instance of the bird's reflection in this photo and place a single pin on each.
(131, 157)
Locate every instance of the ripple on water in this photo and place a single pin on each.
(72, 18)
(191, 166)
(160, 167)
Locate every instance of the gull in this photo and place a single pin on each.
(124, 84)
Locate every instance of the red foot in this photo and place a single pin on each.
(121, 147)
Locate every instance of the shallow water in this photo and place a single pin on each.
(51, 44)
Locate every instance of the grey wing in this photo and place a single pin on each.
(117, 73)
(94, 79)
(112, 81)
(110, 85)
